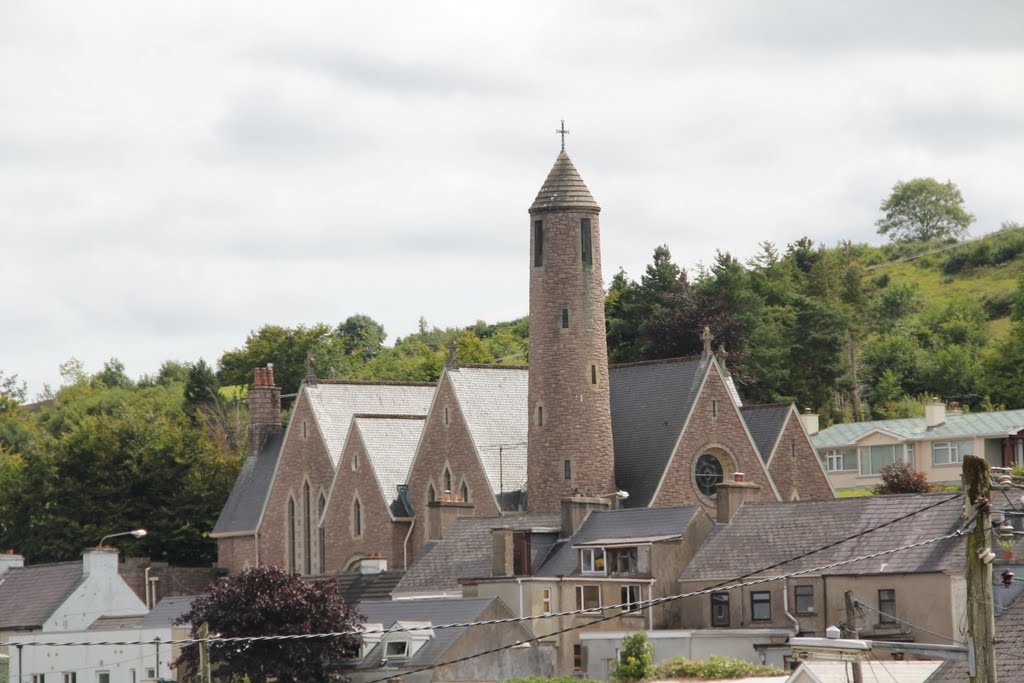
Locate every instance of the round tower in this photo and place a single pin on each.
(570, 436)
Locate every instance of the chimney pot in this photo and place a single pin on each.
(738, 477)
(270, 374)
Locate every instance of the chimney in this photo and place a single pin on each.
(9, 560)
(731, 495)
(264, 408)
(445, 511)
(99, 562)
(934, 413)
(373, 563)
(576, 509)
(809, 420)
(501, 540)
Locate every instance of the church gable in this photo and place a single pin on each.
(713, 445)
(794, 465)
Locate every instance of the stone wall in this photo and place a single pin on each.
(795, 467)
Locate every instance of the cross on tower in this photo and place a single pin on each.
(706, 338)
(563, 132)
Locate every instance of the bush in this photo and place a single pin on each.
(636, 661)
(900, 477)
(715, 668)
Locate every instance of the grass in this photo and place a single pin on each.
(854, 493)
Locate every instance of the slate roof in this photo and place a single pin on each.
(1009, 646)
(334, 403)
(765, 424)
(116, 623)
(434, 611)
(390, 447)
(167, 611)
(245, 504)
(797, 527)
(464, 553)
(357, 588)
(617, 525)
(962, 426)
(493, 400)
(650, 403)
(872, 670)
(30, 595)
(563, 189)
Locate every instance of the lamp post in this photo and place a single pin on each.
(137, 533)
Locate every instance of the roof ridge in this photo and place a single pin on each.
(657, 361)
(489, 366)
(368, 382)
(780, 404)
(385, 416)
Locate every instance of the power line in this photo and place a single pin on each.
(907, 623)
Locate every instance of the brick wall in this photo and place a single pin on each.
(719, 429)
(171, 580)
(798, 476)
(577, 414)
(236, 553)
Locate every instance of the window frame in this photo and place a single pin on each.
(586, 243)
(760, 599)
(538, 244)
(545, 601)
(390, 655)
(613, 561)
(593, 562)
(581, 597)
(632, 604)
(889, 600)
(899, 454)
(720, 609)
(357, 518)
(843, 457)
(808, 594)
(955, 451)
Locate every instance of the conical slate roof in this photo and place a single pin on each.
(564, 189)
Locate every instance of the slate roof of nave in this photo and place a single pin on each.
(390, 447)
(334, 403)
(564, 189)
(796, 528)
(650, 403)
(244, 506)
(765, 424)
(493, 401)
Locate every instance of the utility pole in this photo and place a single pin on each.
(981, 620)
(204, 653)
(854, 633)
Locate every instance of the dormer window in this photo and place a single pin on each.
(622, 560)
(396, 649)
(592, 561)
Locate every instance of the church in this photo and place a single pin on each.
(366, 474)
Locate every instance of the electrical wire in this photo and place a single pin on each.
(907, 623)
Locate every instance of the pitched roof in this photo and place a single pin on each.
(390, 448)
(650, 403)
(245, 504)
(464, 553)
(907, 671)
(957, 426)
(30, 595)
(493, 401)
(621, 525)
(1009, 646)
(167, 611)
(334, 403)
(799, 527)
(765, 424)
(563, 189)
(451, 611)
(357, 588)
(116, 623)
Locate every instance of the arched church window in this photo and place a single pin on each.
(307, 527)
(447, 480)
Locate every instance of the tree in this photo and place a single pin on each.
(636, 661)
(361, 336)
(287, 348)
(924, 209)
(265, 601)
(901, 477)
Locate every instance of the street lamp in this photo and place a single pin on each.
(137, 533)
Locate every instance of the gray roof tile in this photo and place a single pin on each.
(30, 595)
(390, 447)
(1009, 646)
(961, 426)
(797, 527)
(765, 424)
(334, 403)
(493, 400)
(563, 189)
(650, 403)
(167, 611)
(245, 504)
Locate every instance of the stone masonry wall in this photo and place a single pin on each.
(235, 553)
(724, 434)
(577, 414)
(798, 476)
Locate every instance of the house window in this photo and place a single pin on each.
(577, 657)
(538, 243)
(565, 318)
(804, 599)
(592, 560)
(521, 565)
(719, 609)
(586, 248)
(150, 673)
(70, 677)
(357, 518)
(839, 460)
(951, 452)
(396, 649)
(622, 560)
(41, 678)
(761, 605)
(567, 469)
(588, 598)
(708, 474)
(321, 534)
(887, 606)
(545, 601)
(102, 677)
(307, 527)
(629, 597)
(292, 550)
(874, 458)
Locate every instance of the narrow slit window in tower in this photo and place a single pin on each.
(540, 416)
(585, 246)
(593, 374)
(538, 243)
(565, 318)
(567, 469)
(714, 408)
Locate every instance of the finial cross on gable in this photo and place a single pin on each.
(563, 132)
(706, 337)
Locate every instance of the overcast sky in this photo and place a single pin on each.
(174, 175)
